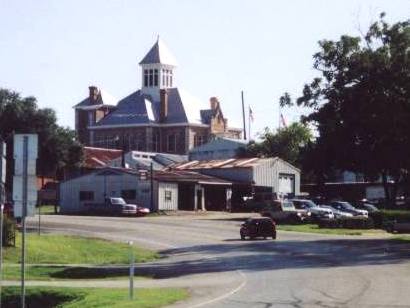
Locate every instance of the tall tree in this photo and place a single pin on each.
(286, 143)
(57, 146)
(361, 102)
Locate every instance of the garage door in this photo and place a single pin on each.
(286, 184)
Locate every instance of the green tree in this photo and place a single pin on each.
(58, 149)
(361, 102)
(286, 143)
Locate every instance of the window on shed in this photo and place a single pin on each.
(168, 195)
(86, 195)
(130, 194)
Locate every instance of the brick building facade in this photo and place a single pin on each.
(157, 118)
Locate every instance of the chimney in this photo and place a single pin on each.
(163, 105)
(214, 103)
(93, 94)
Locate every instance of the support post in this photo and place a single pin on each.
(152, 186)
(1, 248)
(131, 271)
(23, 220)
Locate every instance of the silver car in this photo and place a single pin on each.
(315, 210)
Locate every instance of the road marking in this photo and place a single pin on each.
(219, 298)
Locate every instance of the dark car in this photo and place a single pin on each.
(258, 227)
(284, 211)
(348, 208)
(364, 205)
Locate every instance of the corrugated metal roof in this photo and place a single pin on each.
(221, 163)
(159, 53)
(99, 157)
(188, 176)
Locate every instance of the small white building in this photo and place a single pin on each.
(172, 190)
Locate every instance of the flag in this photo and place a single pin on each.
(282, 119)
(250, 114)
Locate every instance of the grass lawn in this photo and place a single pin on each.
(312, 228)
(402, 238)
(47, 210)
(60, 249)
(83, 297)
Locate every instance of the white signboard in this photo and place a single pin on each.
(18, 208)
(31, 188)
(18, 180)
(31, 151)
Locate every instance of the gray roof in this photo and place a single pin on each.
(159, 53)
(104, 99)
(138, 108)
(206, 115)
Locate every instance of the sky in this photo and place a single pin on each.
(54, 50)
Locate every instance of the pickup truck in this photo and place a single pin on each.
(284, 211)
(112, 206)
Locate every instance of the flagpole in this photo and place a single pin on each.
(249, 123)
(279, 119)
(243, 117)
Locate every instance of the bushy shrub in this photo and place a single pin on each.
(9, 232)
(395, 215)
(347, 223)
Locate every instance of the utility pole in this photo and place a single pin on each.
(243, 116)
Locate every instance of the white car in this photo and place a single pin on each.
(316, 210)
(337, 213)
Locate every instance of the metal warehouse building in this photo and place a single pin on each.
(250, 175)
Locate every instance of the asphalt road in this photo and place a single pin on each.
(297, 270)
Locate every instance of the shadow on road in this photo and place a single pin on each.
(275, 255)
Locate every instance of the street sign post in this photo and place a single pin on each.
(2, 201)
(131, 286)
(24, 190)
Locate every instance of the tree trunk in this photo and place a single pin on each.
(386, 188)
(395, 189)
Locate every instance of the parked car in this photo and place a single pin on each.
(364, 205)
(347, 207)
(142, 211)
(337, 213)
(112, 206)
(284, 211)
(258, 227)
(258, 201)
(316, 211)
(397, 227)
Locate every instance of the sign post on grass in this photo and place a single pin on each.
(24, 190)
(2, 201)
(131, 270)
